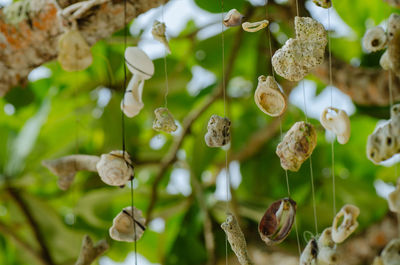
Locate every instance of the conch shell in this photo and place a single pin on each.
(255, 26)
(233, 18)
(336, 121)
(268, 97)
(164, 121)
(115, 169)
(218, 131)
(73, 51)
(158, 32)
(348, 225)
(127, 227)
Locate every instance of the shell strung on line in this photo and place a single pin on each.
(321, 251)
(236, 239)
(73, 51)
(338, 122)
(302, 54)
(384, 142)
(127, 227)
(139, 63)
(349, 224)
(277, 221)
(394, 200)
(132, 102)
(233, 18)
(115, 169)
(297, 145)
(158, 32)
(323, 3)
(164, 121)
(218, 131)
(310, 253)
(269, 98)
(255, 26)
(375, 39)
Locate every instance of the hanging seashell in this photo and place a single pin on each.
(394, 200)
(384, 142)
(385, 62)
(218, 131)
(115, 169)
(255, 26)
(269, 98)
(128, 226)
(336, 121)
(323, 3)
(164, 121)
(297, 145)
(233, 18)
(327, 254)
(277, 221)
(89, 252)
(158, 32)
(310, 253)
(73, 51)
(236, 239)
(349, 224)
(391, 253)
(375, 39)
(300, 55)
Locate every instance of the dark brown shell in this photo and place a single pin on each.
(271, 230)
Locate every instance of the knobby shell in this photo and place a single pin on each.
(164, 121)
(218, 131)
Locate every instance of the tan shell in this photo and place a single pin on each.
(394, 200)
(336, 121)
(300, 55)
(164, 121)
(73, 51)
(391, 253)
(277, 221)
(158, 32)
(236, 239)
(127, 227)
(349, 224)
(114, 168)
(385, 62)
(375, 39)
(310, 253)
(233, 18)
(323, 3)
(218, 131)
(384, 142)
(269, 98)
(255, 26)
(297, 145)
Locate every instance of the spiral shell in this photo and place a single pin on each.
(126, 227)
(115, 169)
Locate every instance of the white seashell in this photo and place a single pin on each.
(269, 98)
(255, 26)
(348, 225)
(375, 39)
(310, 253)
(127, 227)
(384, 142)
(394, 200)
(297, 145)
(164, 121)
(233, 18)
(158, 32)
(73, 51)
(132, 102)
(300, 55)
(327, 254)
(218, 131)
(114, 168)
(336, 121)
(323, 3)
(391, 253)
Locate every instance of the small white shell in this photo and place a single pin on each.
(394, 200)
(323, 3)
(158, 32)
(73, 51)
(126, 227)
(139, 63)
(132, 102)
(348, 225)
(374, 39)
(391, 253)
(233, 18)
(114, 168)
(268, 97)
(336, 121)
(218, 131)
(164, 121)
(255, 26)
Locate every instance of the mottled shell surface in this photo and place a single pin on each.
(255, 26)
(277, 221)
(127, 227)
(159, 33)
(139, 63)
(218, 131)
(233, 18)
(73, 51)
(300, 55)
(269, 98)
(384, 142)
(323, 3)
(375, 39)
(338, 122)
(297, 145)
(164, 121)
(341, 232)
(114, 169)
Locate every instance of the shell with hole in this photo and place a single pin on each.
(164, 121)
(159, 33)
(375, 39)
(338, 122)
(269, 98)
(327, 254)
(297, 145)
(233, 18)
(115, 169)
(218, 131)
(277, 221)
(255, 26)
(127, 227)
(349, 224)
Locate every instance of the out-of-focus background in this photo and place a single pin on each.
(60, 113)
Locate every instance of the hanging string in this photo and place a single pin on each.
(165, 64)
